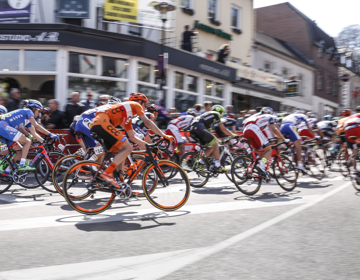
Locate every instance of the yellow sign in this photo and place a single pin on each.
(125, 10)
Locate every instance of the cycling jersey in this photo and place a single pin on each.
(263, 121)
(312, 122)
(294, 119)
(139, 126)
(18, 118)
(83, 125)
(208, 119)
(182, 122)
(228, 123)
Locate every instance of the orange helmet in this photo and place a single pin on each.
(137, 97)
(346, 113)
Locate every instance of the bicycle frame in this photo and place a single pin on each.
(44, 154)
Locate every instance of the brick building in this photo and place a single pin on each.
(285, 22)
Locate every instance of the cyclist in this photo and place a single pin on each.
(199, 129)
(229, 123)
(110, 116)
(258, 130)
(12, 128)
(352, 128)
(289, 127)
(181, 123)
(312, 121)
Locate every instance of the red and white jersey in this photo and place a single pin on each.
(311, 122)
(182, 122)
(353, 119)
(262, 121)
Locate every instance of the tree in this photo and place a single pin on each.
(349, 37)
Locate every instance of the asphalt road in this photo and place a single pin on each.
(309, 233)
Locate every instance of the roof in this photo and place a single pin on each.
(282, 47)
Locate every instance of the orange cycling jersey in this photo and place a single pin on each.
(122, 114)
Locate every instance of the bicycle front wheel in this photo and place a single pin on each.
(171, 193)
(6, 180)
(316, 165)
(285, 173)
(343, 162)
(83, 192)
(197, 172)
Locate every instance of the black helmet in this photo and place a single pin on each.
(153, 108)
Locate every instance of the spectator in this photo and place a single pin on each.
(73, 108)
(223, 53)
(229, 112)
(104, 98)
(14, 101)
(89, 103)
(187, 44)
(2, 101)
(197, 107)
(56, 120)
(207, 106)
(125, 99)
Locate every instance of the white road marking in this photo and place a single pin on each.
(152, 266)
(113, 215)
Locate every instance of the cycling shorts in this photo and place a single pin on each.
(255, 136)
(306, 133)
(173, 130)
(9, 133)
(205, 137)
(353, 131)
(112, 137)
(288, 129)
(83, 126)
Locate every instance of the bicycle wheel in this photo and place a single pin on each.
(355, 175)
(27, 179)
(44, 171)
(60, 168)
(226, 161)
(285, 173)
(6, 180)
(92, 196)
(198, 174)
(170, 194)
(245, 182)
(316, 165)
(342, 160)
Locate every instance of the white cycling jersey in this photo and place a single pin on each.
(294, 119)
(312, 122)
(263, 121)
(182, 122)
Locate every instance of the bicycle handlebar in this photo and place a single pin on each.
(155, 145)
(227, 140)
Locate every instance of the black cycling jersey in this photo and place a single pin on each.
(137, 122)
(208, 119)
(228, 123)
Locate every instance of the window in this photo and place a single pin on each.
(319, 80)
(144, 72)
(133, 30)
(335, 87)
(184, 101)
(329, 85)
(235, 17)
(214, 101)
(179, 80)
(267, 66)
(82, 63)
(151, 94)
(208, 88)
(114, 67)
(191, 83)
(300, 78)
(213, 9)
(320, 52)
(219, 88)
(9, 60)
(188, 4)
(40, 60)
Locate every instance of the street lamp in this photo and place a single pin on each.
(163, 8)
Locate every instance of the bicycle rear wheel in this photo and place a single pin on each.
(6, 180)
(226, 161)
(170, 194)
(342, 160)
(44, 171)
(245, 182)
(316, 165)
(83, 192)
(198, 174)
(285, 173)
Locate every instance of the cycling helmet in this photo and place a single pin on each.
(267, 110)
(218, 108)
(3, 110)
(346, 113)
(335, 119)
(137, 97)
(299, 111)
(34, 104)
(24, 103)
(327, 117)
(153, 108)
(192, 112)
(113, 100)
(46, 110)
(357, 109)
(311, 114)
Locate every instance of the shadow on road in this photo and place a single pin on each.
(281, 196)
(216, 190)
(312, 185)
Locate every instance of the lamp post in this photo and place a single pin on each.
(163, 8)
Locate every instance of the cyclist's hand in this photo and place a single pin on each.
(53, 136)
(32, 138)
(169, 137)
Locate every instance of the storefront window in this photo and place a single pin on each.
(153, 95)
(82, 63)
(214, 101)
(219, 88)
(184, 101)
(9, 60)
(209, 85)
(192, 83)
(114, 67)
(40, 60)
(179, 80)
(98, 87)
(144, 72)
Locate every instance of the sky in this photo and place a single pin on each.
(330, 16)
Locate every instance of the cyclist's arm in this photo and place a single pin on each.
(135, 139)
(37, 136)
(275, 130)
(152, 126)
(23, 131)
(225, 130)
(187, 136)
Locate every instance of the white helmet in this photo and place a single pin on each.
(114, 100)
(3, 109)
(299, 111)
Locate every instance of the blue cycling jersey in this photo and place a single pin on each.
(295, 119)
(18, 118)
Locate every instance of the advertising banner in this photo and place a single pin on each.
(15, 11)
(73, 9)
(121, 10)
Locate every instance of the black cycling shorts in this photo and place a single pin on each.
(205, 137)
